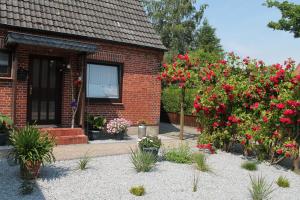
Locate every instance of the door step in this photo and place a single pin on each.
(65, 136)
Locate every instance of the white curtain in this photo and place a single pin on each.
(102, 81)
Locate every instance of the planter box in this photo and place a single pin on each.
(174, 118)
(98, 135)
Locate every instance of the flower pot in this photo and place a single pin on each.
(3, 138)
(121, 135)
(142, 131)
(98, 135)
(30, 170)
(152, 150)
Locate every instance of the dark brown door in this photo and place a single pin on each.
(44, 90)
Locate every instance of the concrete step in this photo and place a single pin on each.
(65, 136)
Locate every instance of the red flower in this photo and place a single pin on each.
(293, 103)
(243, 142)
(254, 106)
(265, 119)
(276, 133)
(280, 106)
(165, 65)
(290, 145)
(285, 120)
(248, 136)
(183, 57)
(228, 88)
(289, 112)
(223, 62)
(215, 124)
(279, 151)
(288, 154)
(234, 119)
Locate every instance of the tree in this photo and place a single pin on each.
(290, 20)
(183, 74)
(207, 40)
(176, 21)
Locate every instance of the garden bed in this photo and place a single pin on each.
(111, 178)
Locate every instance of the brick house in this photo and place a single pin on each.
(110, 42)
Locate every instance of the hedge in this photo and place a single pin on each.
(170, 100)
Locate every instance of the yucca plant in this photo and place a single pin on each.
(142, 161)
(260, 189)
(283, 182)
(83, 162)
(181, 154)
(31, 149)
(249, 165)
(201, 162)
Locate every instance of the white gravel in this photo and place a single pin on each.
(109, 178)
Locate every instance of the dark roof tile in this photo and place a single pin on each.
(115, 20)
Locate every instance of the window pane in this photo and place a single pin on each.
(102, 81)
(4, 63)
(43, 112)
(52, 74)
(35, 73)
(51, 110)
(35, 114)
(44, 78)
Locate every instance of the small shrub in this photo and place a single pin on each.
(260, 189)
(26, 187)
(195, 183)
(82, 164)
(283, 182)
(150, 141)
(142, 161)
(137, 190)
(201, 162)
(182, 154)
(248, 165)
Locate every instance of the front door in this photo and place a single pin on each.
(44, 91)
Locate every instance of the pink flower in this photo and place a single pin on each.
(254, 106)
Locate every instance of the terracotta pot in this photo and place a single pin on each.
(30, 170)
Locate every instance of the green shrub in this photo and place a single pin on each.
(182, 154)
(260, 189)
(283, 182)
(249, 165)
(142, 161)
(201, 162)
(83, 162)
(137, 190)
(171, 102)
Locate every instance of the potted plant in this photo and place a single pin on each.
(31, 149)
(5, 126)
(142, 129)
(150, 144)
(118, 127)
(96, 126)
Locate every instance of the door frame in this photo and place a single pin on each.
(59, 82)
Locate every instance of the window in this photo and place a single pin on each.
(4, 63)
(103, 81)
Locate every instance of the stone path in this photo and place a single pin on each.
(169, 137)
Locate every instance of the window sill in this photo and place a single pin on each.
(5, 78)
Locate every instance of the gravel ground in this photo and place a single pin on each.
(109, 178)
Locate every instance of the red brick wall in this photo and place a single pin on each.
(140, 89)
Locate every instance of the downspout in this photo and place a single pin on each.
(14, 85)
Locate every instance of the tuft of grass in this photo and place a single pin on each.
(83, 162)
(260, 189)
(283, 182)
(142, 161)
(26, 187)
(201, 162)
(182, 154)
(195, 183)
(249, 165)
(137, 190)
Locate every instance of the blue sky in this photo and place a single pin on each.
(242, 27)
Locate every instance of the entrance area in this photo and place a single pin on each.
(44, 90)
